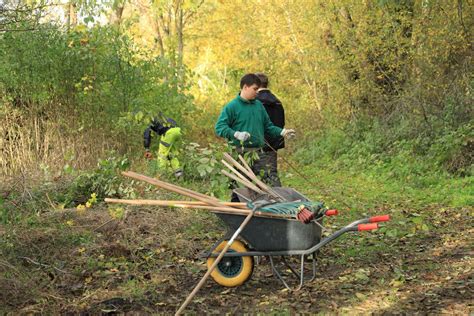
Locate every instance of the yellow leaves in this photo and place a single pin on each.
(70, 222)
(81, 208)
(81, 28)
(93, 198)
(117, 212)
(81, 250)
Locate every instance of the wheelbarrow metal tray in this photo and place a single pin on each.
(274, 234)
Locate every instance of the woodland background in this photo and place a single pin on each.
(379, 92)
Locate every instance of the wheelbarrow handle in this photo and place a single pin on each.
(331, 212)
(380, 218)
(363, 227)
(359, 225)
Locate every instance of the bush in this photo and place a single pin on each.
(396, 151)
(203, 164)
(104, 181)
(85, 90)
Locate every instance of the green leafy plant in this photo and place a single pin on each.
(203, 164)
(104, 181)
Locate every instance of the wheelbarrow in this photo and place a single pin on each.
(275, 237)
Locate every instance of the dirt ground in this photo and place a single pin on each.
(147, 262)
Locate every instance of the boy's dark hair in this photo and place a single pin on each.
(263, 79)
(249, 80)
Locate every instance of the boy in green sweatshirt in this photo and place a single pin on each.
(244, 123)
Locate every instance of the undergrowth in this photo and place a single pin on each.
(396, 163)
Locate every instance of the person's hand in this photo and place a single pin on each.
(242, 136)
(288, 133)
(148, 155)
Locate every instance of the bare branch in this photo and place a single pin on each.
(190, 13)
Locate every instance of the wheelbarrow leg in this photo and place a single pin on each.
(314, 269)
(290, 267)
(299, 275)
(278, 275)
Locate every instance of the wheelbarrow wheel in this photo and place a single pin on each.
(232, 271)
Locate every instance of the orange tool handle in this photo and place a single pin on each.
(381, 218)
(371, 226)
(331, 212)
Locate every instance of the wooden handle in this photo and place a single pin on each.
(248, 173)
(243, 210)
(174, 188)
(172, 203)
(246, 183)
(235, 171)
(260, 183)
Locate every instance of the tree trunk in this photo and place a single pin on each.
(116, 16)
(72, 17)
(179, 31)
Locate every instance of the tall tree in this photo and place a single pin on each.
(169, 20)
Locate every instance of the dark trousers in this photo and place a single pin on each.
(264, 167)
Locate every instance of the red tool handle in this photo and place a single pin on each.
(331, 212)
(371, 226)
(381, 218)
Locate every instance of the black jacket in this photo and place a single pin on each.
(277, 116)
(155, 126)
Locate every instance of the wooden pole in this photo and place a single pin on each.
(246, 183)
(248, 173)
(214, 265)
(172, 203)
(213, 209)
(252, 176)
(259, 182)
(235, 171)
(174, 188)
(170, 185)
(245, 164)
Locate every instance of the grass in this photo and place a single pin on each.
(58, 261)
(369, 189)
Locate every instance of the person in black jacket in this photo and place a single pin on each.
(276, 113)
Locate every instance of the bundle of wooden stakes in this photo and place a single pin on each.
(242, 173)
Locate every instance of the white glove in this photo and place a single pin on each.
(289, 133)
(242, 136)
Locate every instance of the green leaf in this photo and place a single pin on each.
(417, 220)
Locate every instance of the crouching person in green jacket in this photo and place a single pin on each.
(168, 149)
(244, 122)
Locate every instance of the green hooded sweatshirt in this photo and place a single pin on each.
(241, 115)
